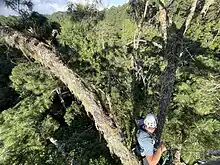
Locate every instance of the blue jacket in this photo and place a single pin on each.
(146, 143)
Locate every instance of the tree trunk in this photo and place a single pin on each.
(173, 49)
(167, 84)
(44, 54)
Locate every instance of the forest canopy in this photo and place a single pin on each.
(73, 83)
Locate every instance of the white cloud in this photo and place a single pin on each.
(82, 1)
(50, 6)
(59, 7)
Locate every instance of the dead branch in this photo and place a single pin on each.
(190, 17)
(163, 18)
(205, 8)
(170, 4)
(147, 42)
(139, 29)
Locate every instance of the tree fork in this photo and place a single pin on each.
(44, 54)
(173, 49)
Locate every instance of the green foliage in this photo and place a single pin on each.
(115, 30)
(22, 130)
(26, 127)
(137, 8)
(196, 97)
(192, 121)
(7, 95)
(84, 13)
(40, 26)
(94, 47)
(82, 139)
(34, 24)
(11, 21)
(103, 67)
(8, 59)
(99, 161)
(29, 77)
(58, 16)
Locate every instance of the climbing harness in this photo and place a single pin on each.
(168, 159)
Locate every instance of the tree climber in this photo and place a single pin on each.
(146, 141)
(54, 34)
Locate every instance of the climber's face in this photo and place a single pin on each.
(150, 129)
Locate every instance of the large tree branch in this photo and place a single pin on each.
(163, 20)
(42, 53)
(190, 17)
(148, 43)
(170, 4)
(139, 29)
(172, 50)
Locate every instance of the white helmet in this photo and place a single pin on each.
(150, 121)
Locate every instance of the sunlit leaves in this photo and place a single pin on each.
(24, 128)
(30, 77)
(85, 13)
(20, 134)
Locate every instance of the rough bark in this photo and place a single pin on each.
(44, 54)
(168, 77)
(167, 85)
(173, 41)
(217, 162)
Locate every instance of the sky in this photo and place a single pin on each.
(50, 6)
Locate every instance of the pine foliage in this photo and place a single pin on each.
(98, 46)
